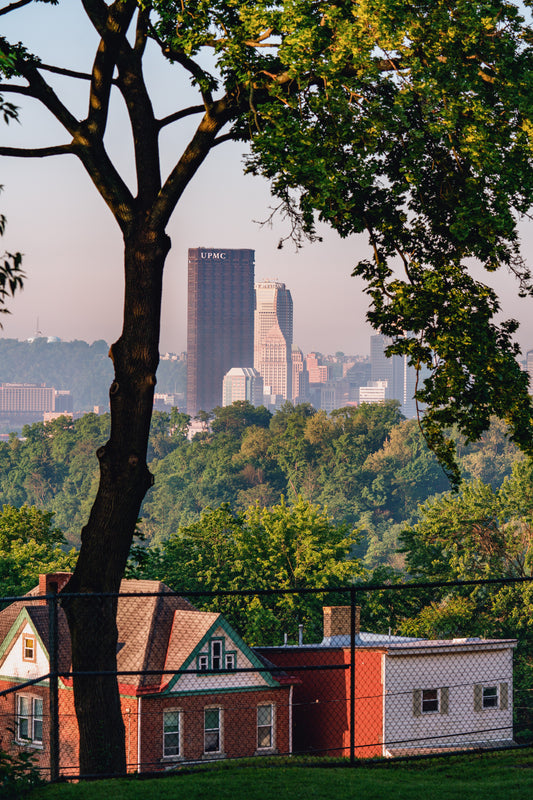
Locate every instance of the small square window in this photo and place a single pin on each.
(203, 663)
(230, 660)
(28, 648)
(490, 697)
(430, 700)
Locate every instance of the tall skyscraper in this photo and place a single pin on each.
(220, 321)
(400, 377)
(300, 376)
(273, 337)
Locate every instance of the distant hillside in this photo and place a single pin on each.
(83, 368)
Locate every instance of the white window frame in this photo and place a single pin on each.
(441, 699)
(490, 696)
(483, 701)
(216, 648)
(230, 660)
(431, 698)
(31, 720)
(179, 731)
(271, 726)
(218, 729)
(32, 648)
(203, 662)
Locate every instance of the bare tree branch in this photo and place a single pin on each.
(177, 115)
(14, 6)
(69, 73)
(37, 152)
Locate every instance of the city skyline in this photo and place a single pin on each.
(73, 250)
(220, 321)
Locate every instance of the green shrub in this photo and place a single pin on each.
(18, 774)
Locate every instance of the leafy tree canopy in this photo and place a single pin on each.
(419, 117)
(29, 544)
(284, 547)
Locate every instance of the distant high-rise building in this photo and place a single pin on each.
(30, 401)
(300, 377)
(318, 372)
(374, 392)
(273, 337)
(220, 321)
(242, 383)
(400, 377)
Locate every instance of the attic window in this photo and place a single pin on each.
(28, 648)
(216, 658)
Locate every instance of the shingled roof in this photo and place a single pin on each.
(145, 615)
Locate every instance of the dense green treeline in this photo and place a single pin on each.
(295, 500)
(84, 369)
(367, 466)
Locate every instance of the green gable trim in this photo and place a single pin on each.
(19, 680)
(22, 618)
(247, 652)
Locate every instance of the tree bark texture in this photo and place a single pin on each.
(124, 481)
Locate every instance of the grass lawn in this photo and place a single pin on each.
(496, 776)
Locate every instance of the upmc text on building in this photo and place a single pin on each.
(218, 254)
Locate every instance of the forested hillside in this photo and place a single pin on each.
(82, 368)
(297, 500)
(366, 466)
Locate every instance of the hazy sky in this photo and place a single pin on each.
(73, 249)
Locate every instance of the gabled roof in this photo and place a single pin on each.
(189, 630)
(157, 631)
(191, 633)
(144, 624)
(144, 627)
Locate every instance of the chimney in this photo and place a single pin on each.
(337, 620)
(52, 582)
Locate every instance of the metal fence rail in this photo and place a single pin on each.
(335, 673)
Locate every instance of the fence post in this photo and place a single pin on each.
(352, 673)
(53, 652)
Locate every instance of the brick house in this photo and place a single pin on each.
(190, 688)
(410, 695)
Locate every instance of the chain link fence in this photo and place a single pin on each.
(345, 673)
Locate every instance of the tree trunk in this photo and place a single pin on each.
(124, 481)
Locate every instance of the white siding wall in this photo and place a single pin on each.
(405, 725)
(14, 667)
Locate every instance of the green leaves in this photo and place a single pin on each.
(419, 120)
(29, 545)
(283, 547)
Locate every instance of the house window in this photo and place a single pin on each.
(230, 661)
(29, 723)
(216, 658)
(28, 648)
(265, 727)
(430, 701)
(171, 733)
(203, 663)
(212, 730)
(491, 696)
(216, 654)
